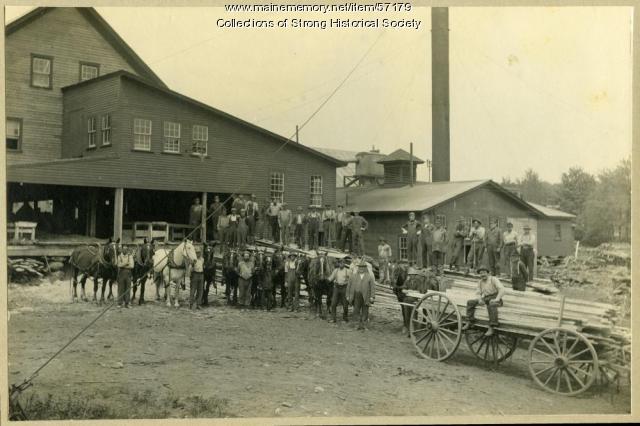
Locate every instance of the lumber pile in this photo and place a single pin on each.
(539, 285)
(23, 270)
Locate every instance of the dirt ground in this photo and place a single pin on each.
(154, 361)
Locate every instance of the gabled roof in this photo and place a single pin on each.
(149, 85)
(422, 196)
(400, 155)
(340, 154)
(103, 28)
(551, 212)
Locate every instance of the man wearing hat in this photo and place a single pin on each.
(313, 226)
(426, 242)
(329, 225)
(493, 244)
(196, 289)
(246, 268)
(477, 236)
(125, 264)
(195, 214)
(412, 230)
(223, 227)
(299, 221)
(272, 214)
(243, 229)
(459, 234)
(215, 210)
(252, 209)
(509, 246)
(527, 249)
(346, 232)
(384, 256)
(490, 292)
(358, 225)
(284, 223)
(361, 291)
(292, 283)
(340, 278)
(232, 230)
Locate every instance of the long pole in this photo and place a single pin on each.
(411, 164)
(297, 129)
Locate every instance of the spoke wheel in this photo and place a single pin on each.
(563, 361)
(436, 327)
(495, 348)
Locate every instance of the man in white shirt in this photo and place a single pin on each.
(125, 268)
(272, 213)
(527, 249)
(477, 237)
(384, 256)
(340, 278)
(509, 246)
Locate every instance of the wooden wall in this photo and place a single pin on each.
(66, 35)
(548, 245)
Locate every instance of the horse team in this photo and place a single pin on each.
(272, 273)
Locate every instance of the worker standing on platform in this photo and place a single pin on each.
(426, 242)
(313, 222)
(339, 216)
(439, 250)
(215, 210)
(477, 236)
(272, 214)
(232, 232)
(284, 223)
(527, 249)
(412, 230)
(384, 256)
(299, 221)
(510, 246)
(329, 225)
(457, 252)
(358, 226)
(243, 229)
(252, 218)
(347, 235)
(493, 244)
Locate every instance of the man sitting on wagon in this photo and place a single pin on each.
(490, 292)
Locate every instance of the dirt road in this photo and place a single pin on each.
(154, 361)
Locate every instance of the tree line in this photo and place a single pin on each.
(601, 202)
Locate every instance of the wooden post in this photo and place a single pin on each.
(118, 204)
(203, 228)
(561, 311)
(411, 164)
(93, 207)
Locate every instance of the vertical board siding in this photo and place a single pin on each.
(67, 36)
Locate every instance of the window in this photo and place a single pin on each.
(443, 220)
(200, 138)
(502, 221)
(171, 137)
(41, 71)
(558, 233)
(89, 71)
(14, 134)
(91, 131)
(276, 189)
(402, 247)
(316, 191)
(106, 129)
(142, 134)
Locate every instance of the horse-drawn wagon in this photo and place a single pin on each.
(571, 343)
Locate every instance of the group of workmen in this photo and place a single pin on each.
(248, 220)
(428, 245)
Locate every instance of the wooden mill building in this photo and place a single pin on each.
(96, 141)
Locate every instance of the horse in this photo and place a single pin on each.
(98, 263)
(230, 275)
(209, 271)
(399, 273)
(174, 265)
(142, 269)
(319, 282)
(278, 278)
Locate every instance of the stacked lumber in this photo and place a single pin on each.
(539, 285)
(22, 270)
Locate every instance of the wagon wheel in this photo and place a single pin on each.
(495, 348)
(563, 361)
(436, 327)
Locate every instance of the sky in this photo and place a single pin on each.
(542, 88)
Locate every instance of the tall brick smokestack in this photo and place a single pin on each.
(440, 144)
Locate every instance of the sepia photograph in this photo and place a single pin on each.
(318, 213)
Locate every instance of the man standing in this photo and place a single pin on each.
(223, 228)
(125, 267)
(412, 229)
(347, 235)
(232, 231)
(313, 222)
(321, 241)
(340, 278)
(215, 210)
(510, 245)
(490, 292)
(239, 203)
(384, 256)
(252, 218)
(477, 236)
(245, 272)
(197, 282)
(284, 223)
(358, 225)
(361, 293)
(329, 225)
(426, 242)
(459, 235)
(292, 283)
(440, 241)
(243, 229)
(339, 216)
(527, 249)
(272, 213)
(493, 244)
(195, 215)
(299, 221)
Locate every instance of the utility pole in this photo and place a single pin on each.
(297, 140)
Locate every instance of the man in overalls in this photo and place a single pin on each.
(412, 228)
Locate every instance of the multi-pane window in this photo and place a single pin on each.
(442, 219)
(558, 233)
(91, 131)
(501, 221)
(276, 188)
(171, 137)
(41, 71)
(14, 133)
(142, 134)
(402, 247)
(106, 129)
(316, 191)
(200, 135)
(88, 71)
